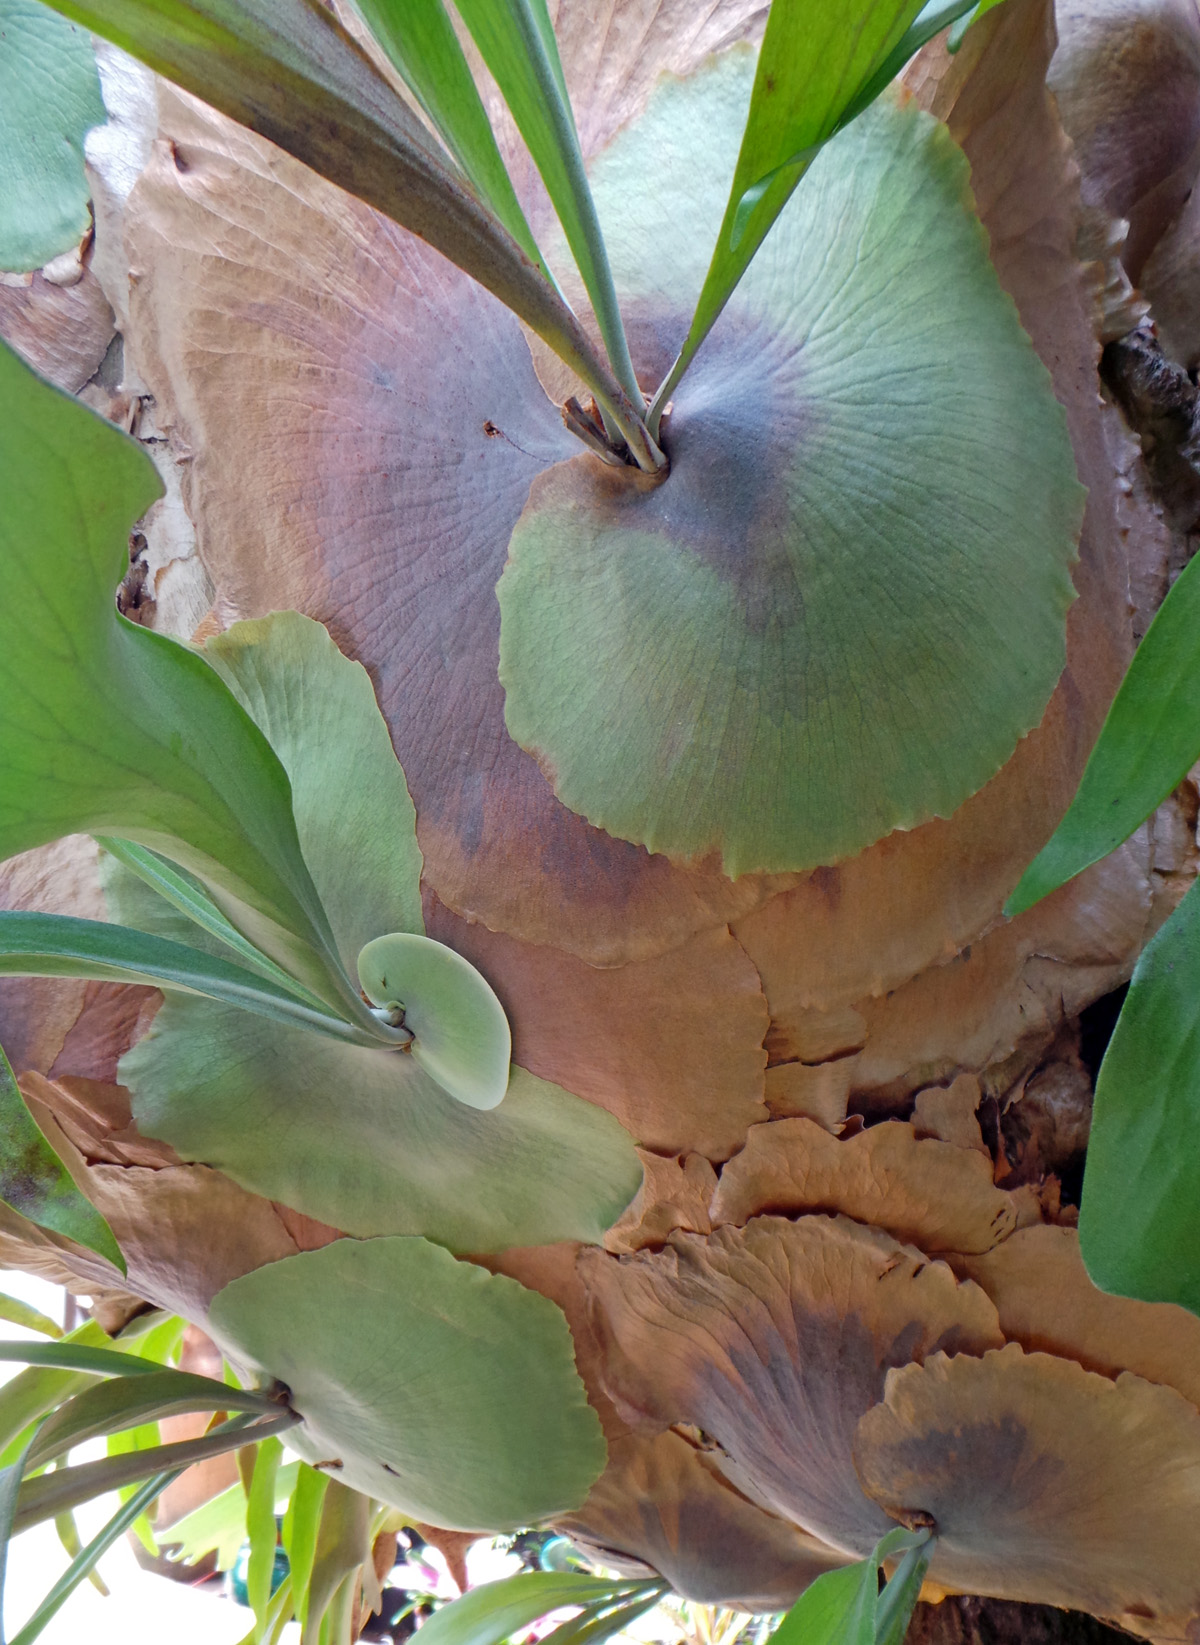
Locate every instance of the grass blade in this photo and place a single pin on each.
(35, 1182)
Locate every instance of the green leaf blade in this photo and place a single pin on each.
(495, 1611)
(1139, 1220)
(260, 1526)
(190, 776)
(460, 1033)
(85, 1562)
(816, 58)
(517, 43)
(446, 1391)
(1148, 743)
(35, 1182)
(420, 41)
(59, 945)
(843, 1607)
(301, 1523)
(49, 100)
(16, 1312)
(289, 71)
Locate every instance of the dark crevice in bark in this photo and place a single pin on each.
(1161, 404)
(1096, 1024)
(961, 1620)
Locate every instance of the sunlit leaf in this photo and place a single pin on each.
(300, 1525)
(1146, 747)
(260, 1527)
(35, 1182)
(49, 99)
(343, 1544)
(460, 1033)
(446, 1391)
(16, 1312)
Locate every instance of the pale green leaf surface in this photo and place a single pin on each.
(35, 1182)
(460, 1034)
(255, 1098)
(846, 604)
(420, 42)
(343, 1544)
(495, 1611)
(188, 774)
(1147, 745)
(300, 1526)
(816, 58)
(16, 1312)
(365, 1140)
(446, 1391)
(1139, 1220)
(58, 945)
(260, 1526)
(49, 100)
(355, 820)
